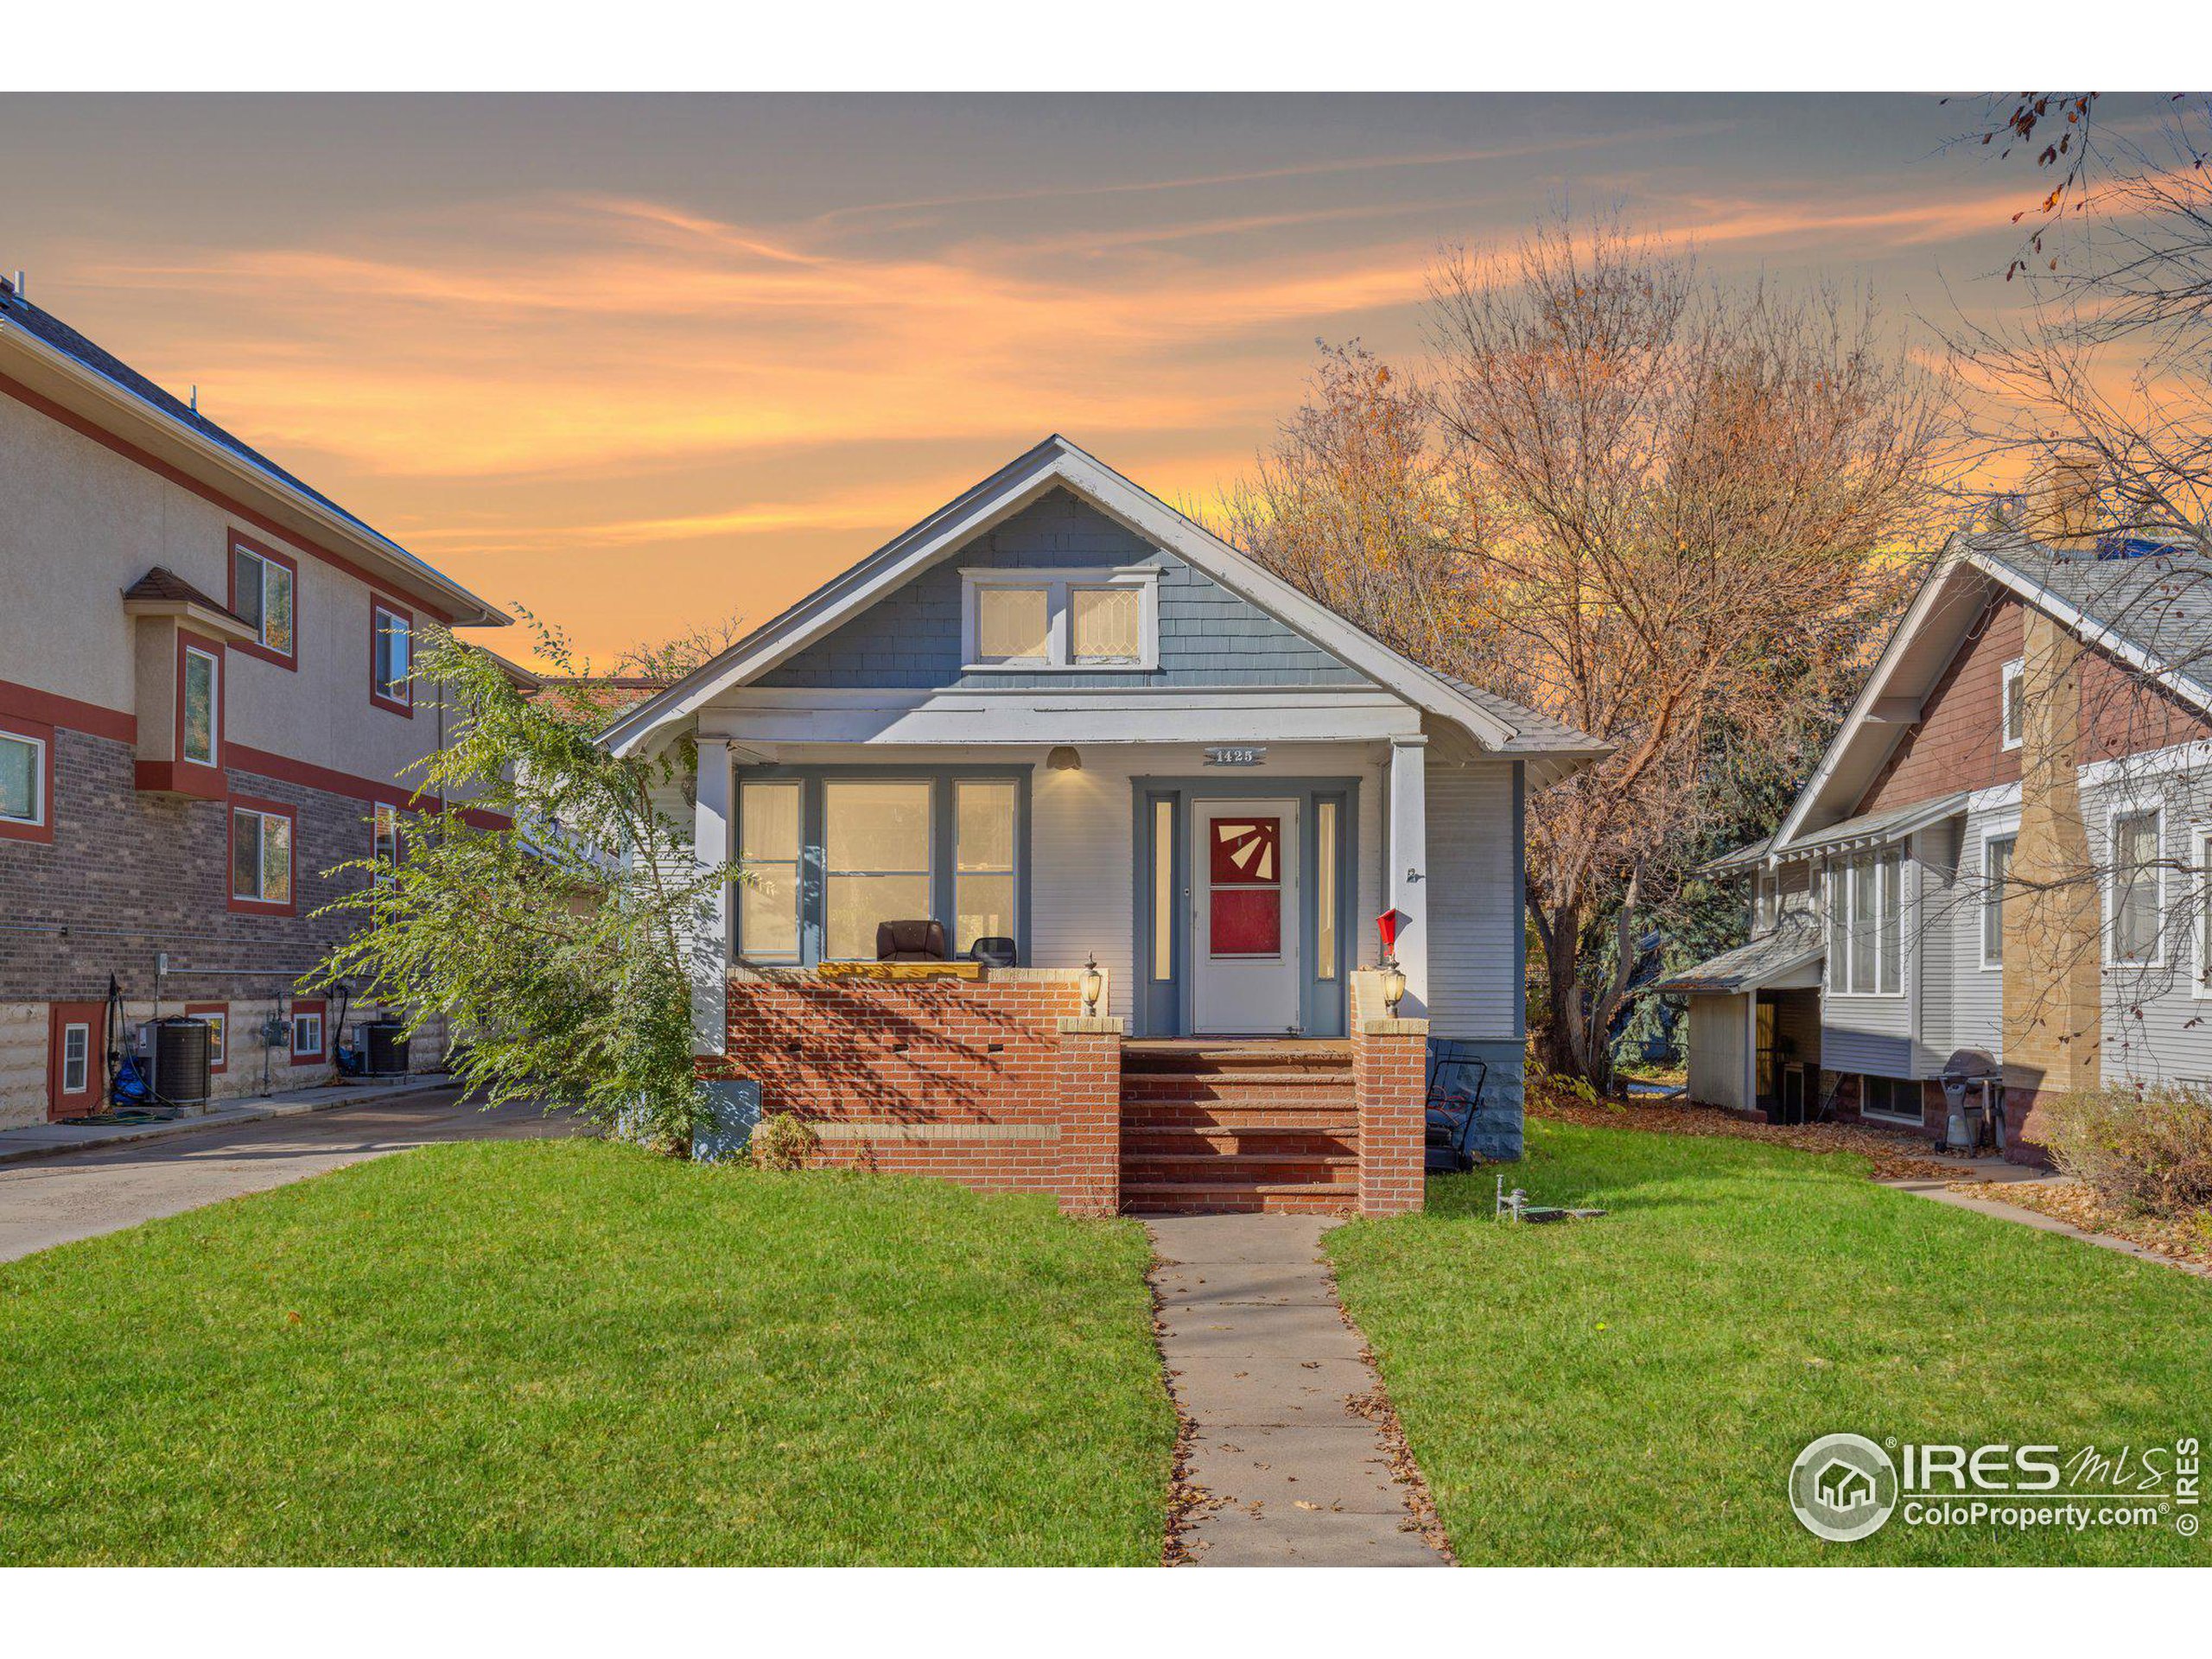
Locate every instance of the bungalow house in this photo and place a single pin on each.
(1992, 887)
(1134, 803)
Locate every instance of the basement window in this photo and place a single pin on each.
(1896, 1099)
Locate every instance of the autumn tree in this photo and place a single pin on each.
(1664, 511)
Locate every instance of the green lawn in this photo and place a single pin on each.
(571, 1353)
(1634, 1390)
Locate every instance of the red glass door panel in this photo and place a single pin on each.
(1244, 865)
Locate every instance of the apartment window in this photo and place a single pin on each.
(217, 1017)
(2014, 703)
(262, 591)
(1996, 868)
(261, 857)
(76, 1059)
(982, 871)
(392, 639)
(22, 780)
(307, 1035)
(877, 862)
(198, 699)
(1866, 924)
(383, 840)
(2137, 886)
(1065, 620)
(1895, 1098)
(1324, 889)
(767, 850)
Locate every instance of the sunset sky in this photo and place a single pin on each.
(639, 362)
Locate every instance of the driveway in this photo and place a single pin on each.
(50, 1201)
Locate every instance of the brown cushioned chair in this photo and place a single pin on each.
(922, 941)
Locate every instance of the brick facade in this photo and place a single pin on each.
(130, 873)
(1389, 1064)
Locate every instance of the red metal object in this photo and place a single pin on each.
(1387, 926)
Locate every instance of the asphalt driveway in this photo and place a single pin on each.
(50, 1201)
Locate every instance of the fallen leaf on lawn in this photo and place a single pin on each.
(1303, 1505)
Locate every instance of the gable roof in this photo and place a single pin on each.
(1794, 946)
(1496, 723)
(2152, 613)
(54, 341)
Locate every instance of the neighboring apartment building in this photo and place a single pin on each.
(1995, 873)
(204, 705)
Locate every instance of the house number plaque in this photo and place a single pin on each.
(1251, 755)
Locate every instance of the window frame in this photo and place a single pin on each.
(218, 1015)
(2009, 677)
(2200, 979)
(259, 646)
(243, 803)
(84, 1084)
(380, 608)
(380, 814)
(936, 855)
(1059, 625)
(812, 877)
(1917, 1117)
(189, 645)
(309, 1007)
(40, 736)
(1842, 925)
(1990, 836)
(2118, 810)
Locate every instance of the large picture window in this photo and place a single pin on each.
(2138, 885)
(982, 880)
(876, 842)
(1866, 924)
(767, 849)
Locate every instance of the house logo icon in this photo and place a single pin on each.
(1843, 1487)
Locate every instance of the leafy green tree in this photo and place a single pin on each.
(563, 945)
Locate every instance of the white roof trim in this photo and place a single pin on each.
(1055, 462)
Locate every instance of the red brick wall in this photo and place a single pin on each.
(1389, 1077)
(968, 1080)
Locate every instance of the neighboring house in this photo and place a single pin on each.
(1058, 714)
(1994, 874)
(204, 705)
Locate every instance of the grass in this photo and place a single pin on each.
(1634, 1390)
(571, 1353)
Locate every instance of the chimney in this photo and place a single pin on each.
(2062, 499)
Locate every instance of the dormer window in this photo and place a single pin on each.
(1031, 621)
(2015, 703)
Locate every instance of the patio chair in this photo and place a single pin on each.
(993, 951)
(922, 940)
(1456, 1080)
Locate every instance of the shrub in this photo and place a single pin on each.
(781, 1141)
(2142, 1148)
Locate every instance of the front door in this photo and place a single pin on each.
(75, 1068)
(1244, 934)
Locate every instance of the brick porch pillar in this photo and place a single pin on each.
(1090, 1116)
(1389, 1074)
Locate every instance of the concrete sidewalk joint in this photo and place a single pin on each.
(1265, 1367)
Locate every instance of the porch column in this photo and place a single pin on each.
(710, 834)
(1406, 877)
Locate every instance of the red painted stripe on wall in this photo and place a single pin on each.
(28, 703)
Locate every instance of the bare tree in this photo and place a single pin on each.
(1660, 510)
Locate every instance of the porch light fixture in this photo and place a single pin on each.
(1394, 985)
(1064, 758)
(1094, 983)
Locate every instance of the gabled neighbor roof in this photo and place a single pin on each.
(1496, 723)
(2153, 613)
(1790, 948)
(48, 333)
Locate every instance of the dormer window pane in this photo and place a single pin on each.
(1012, 623)
(1108, 624)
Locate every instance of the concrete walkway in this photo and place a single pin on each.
(1262, 1362)
(45, 1139)
(54, 1200)
(2042, 1222)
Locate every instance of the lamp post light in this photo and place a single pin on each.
(1094, 983)
(1394, 985)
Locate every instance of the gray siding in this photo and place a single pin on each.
(1933, 932)
(1474, 901)
(909, 640)
(2157, 1027)
(1977, 993)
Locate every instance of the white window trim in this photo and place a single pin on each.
(380, 814)
(318, 1051)
(1993, 832)
(1880, 856)
(2010, 678)
(2200, 981)
(85, 1082)
(2113, 814)
(37, 747)
(261, 851)
(1890, 1118)
(384, 625)
(261, 628)
(214, 707)
(219, 1038)
(1057, 583)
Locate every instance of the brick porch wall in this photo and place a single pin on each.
(1389, 1067)
(998, 1083)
